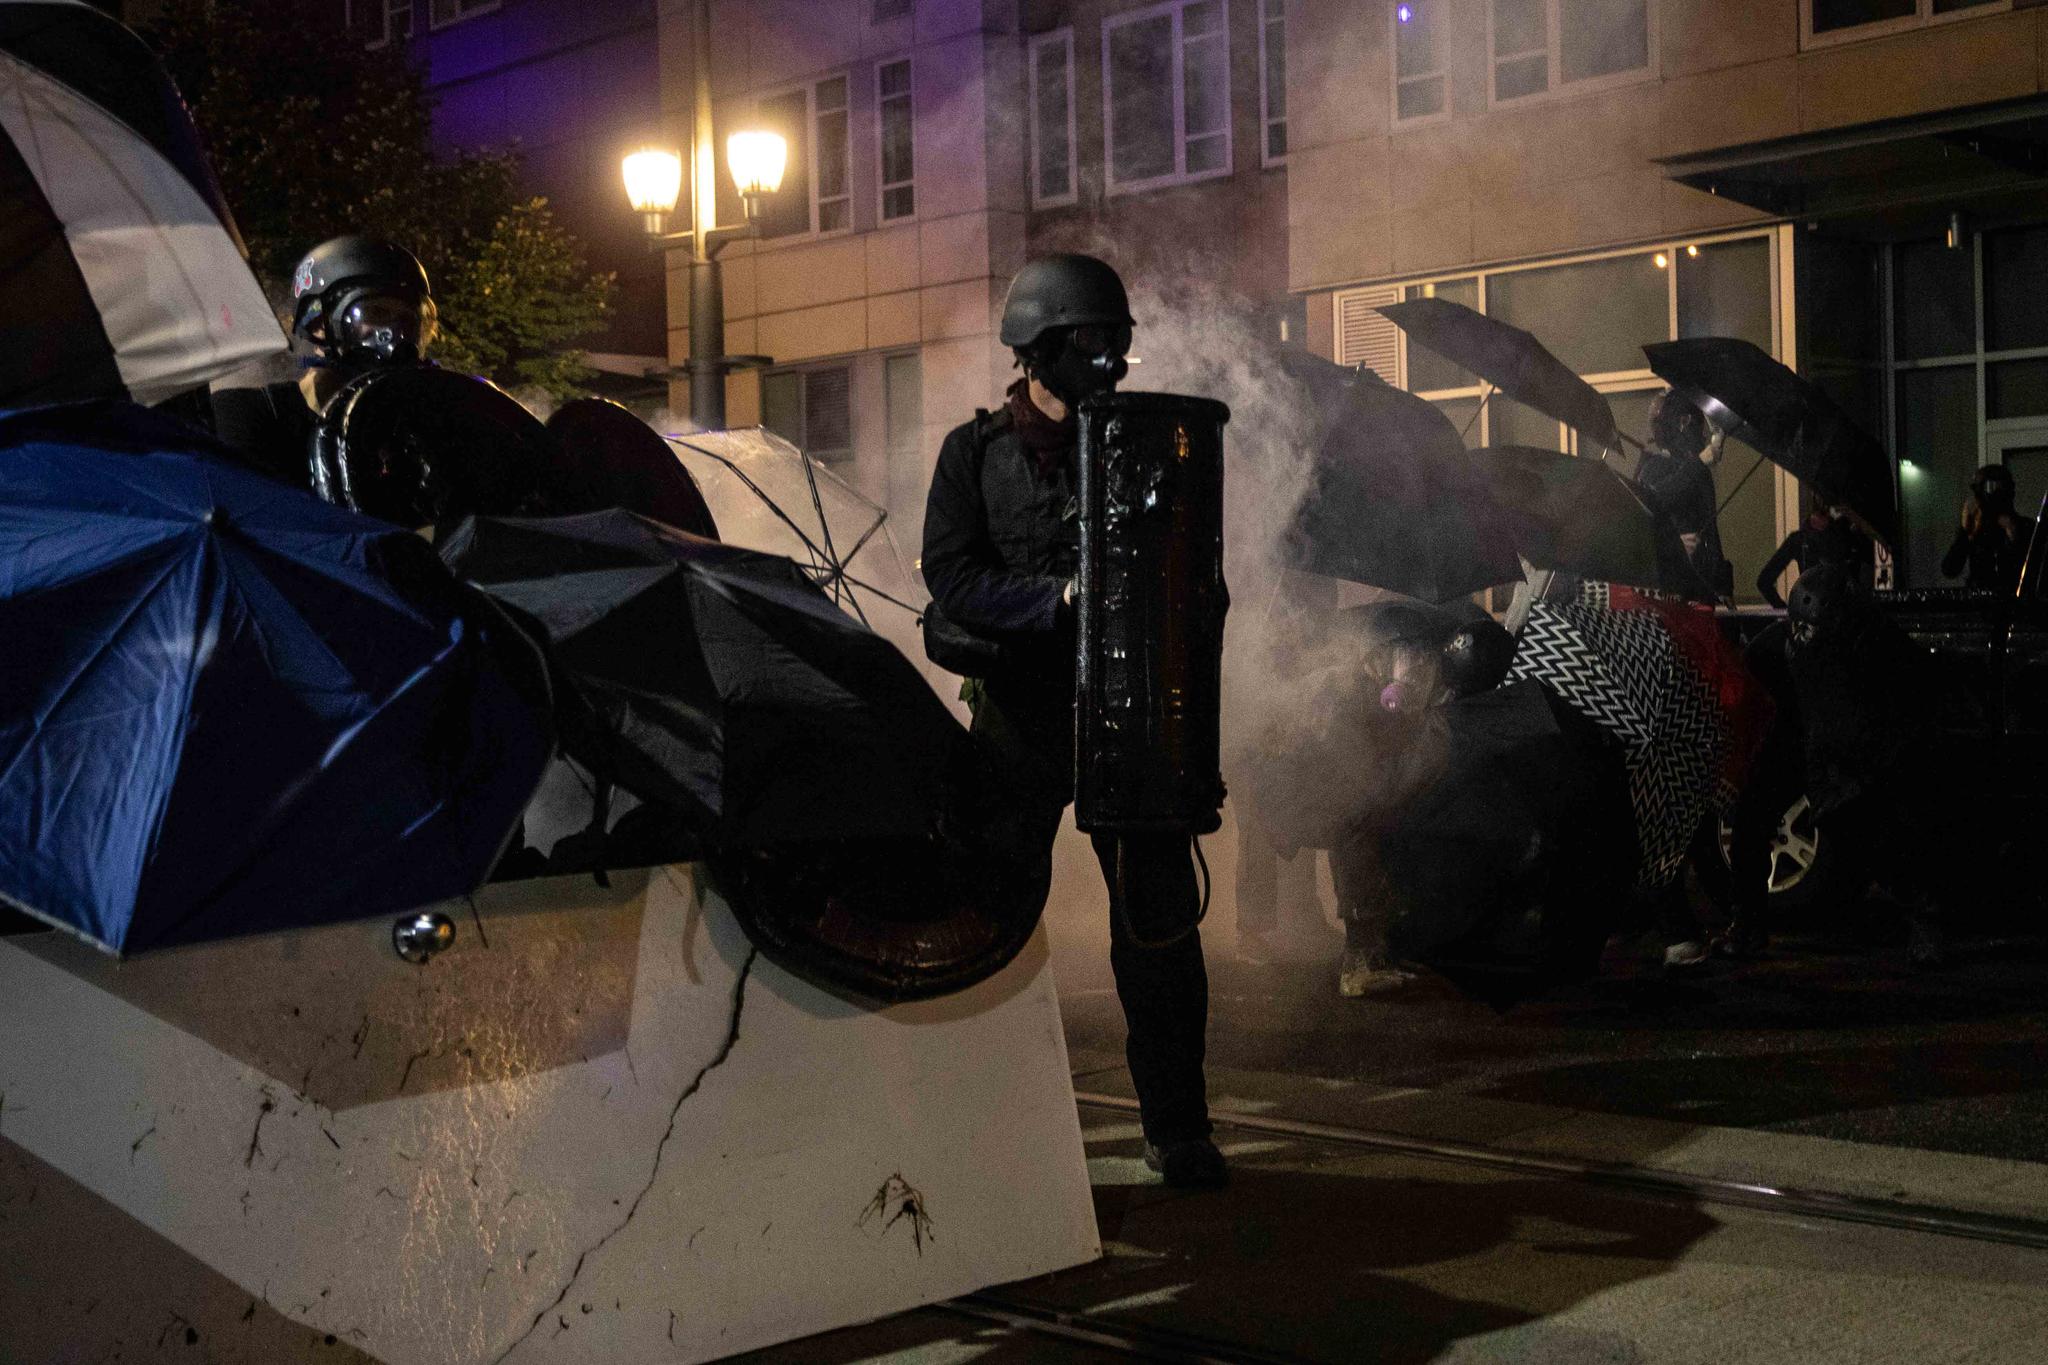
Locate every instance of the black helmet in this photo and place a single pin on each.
(363, 294)
(1063, 291)
(1477, 657)
(1992, 483)
(1822, 602)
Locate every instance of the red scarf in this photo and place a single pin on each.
(1047, 442)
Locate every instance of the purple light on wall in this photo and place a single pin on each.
(1404, 12)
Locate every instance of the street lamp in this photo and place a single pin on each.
(654, 185)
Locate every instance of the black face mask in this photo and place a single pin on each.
(1083, 361)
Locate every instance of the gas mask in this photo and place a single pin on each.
(1993, 488)
(1078, 361)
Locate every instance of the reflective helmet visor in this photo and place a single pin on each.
(384, 327)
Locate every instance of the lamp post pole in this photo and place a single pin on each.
(707, 285)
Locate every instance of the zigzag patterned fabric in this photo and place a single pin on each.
(1619, 670)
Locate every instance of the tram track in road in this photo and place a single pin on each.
(1137, 1340)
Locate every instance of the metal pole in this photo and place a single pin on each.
(707, 294)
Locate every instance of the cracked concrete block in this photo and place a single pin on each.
(599, 1128)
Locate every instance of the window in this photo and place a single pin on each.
(898, 128)
(1273, 81)
(885, 10)
(1052, 118)
(1828, 21)
(1166, 71)
(387, 20)
(816, 193)
(903, 402)
(811, 409)
(1421, 86)
(441, 13)
(1541, 46)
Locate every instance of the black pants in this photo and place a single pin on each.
(1154, 950)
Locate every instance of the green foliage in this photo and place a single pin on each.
(313, 135)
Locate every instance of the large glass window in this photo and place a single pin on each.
(903, 402)
(1166, 76)
(1052, 118)
(1594, 315)
(1934, 300)
(1544, 45)
(1421, 87)
(788, 210)
(835, 191)
(2015, 286)
(816, 193)
(1724, 290)
(1824, 21)
(1937, 443)
(812, 409)
(1273, 80)
(898, 138)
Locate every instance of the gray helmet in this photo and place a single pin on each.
(1067, 290)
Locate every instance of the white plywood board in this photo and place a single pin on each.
(600, 1128)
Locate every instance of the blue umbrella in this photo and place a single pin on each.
(227, 707)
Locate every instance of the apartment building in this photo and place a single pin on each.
(1855, 185)
(938, 144)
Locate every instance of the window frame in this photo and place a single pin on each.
(1441, 72)
(882, 182)
(802, 373)
(383, 10)
(809, 90)
(1180, 175)
(1268, 21)
(1554, 88)
(1073, 191)
(1923, 16)
(464, 10)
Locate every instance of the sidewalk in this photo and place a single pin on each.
(1321, 1253)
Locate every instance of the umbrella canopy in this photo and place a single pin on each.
(1579, 516)
(1393, 503)
(246, 710)
(606, 457)
(121, 274)
(719, 680)
(1789, 420)
(1509, 359)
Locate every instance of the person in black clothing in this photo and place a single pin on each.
(358, 303)
(1990, 547)
(1677, 474)
(1001, 548)
(1830, 535)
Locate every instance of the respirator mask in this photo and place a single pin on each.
(1085, 360)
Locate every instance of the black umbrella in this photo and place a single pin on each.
(1393, 503)
(121, 275)
(1789, 420)
(718, 680)
(607, 457)
(1509, 359)
(1579, 516)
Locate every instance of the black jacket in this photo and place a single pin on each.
(1990, 559)
(1001, 541)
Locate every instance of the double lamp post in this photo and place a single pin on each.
(654, 181)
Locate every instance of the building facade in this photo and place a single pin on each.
(1855, 185)
(938, 144)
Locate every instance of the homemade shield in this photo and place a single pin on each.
(421, 446)
(1394, 503)
(122, 275)
(606, 457)
(1789, 420)
(1511, 360)
(245, 710)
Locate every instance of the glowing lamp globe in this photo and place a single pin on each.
(654, 181)
(757, 160)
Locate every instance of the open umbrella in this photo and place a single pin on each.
(1393, 503)
(243, 709)
(1578, 516)
(606, 457)
(1789, 420)
(1509, 359)
(120, 271)
(718, 680)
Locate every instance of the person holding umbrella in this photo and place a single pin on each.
(1991, 544)
(1001, 549)
(1677, 474)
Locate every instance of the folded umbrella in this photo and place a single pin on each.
(718, 680)
(1578, 516)
(1393, 503)
(1789, 420)
(245, 710)
(1511, 360)
(121, 274)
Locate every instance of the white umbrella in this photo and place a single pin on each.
(120, 271)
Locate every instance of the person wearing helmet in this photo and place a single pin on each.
(1001, 549)
(1677, 475)
(1990, 547)
(358, 304)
